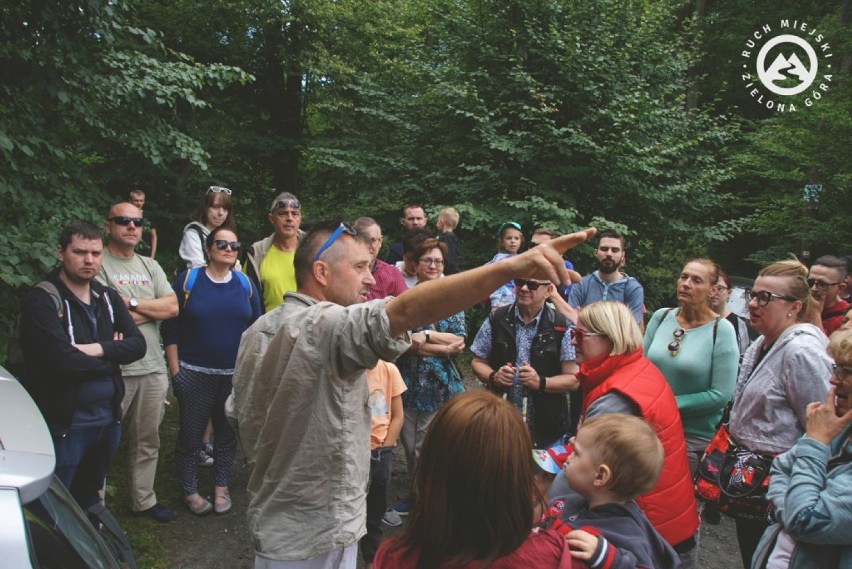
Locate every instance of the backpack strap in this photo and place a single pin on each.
(196, 227)
(192, 275)
(189, 282)
(245, 282)
(53, 292)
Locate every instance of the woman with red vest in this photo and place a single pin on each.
(616, 378)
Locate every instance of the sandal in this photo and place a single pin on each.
(225, 506)
(197, 505)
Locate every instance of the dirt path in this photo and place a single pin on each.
(223, 542)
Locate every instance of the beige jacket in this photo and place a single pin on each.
(300, 391)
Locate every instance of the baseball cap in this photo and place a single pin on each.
(552, 460)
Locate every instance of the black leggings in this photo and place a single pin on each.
(748, 536)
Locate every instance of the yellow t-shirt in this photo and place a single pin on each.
(277, 276)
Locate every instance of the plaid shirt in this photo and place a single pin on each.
(388, 281)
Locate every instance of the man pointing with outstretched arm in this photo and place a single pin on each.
(300, 388)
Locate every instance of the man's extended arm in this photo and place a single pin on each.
(431, 301)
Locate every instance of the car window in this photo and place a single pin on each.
(61, 535)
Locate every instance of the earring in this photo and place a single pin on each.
(789, 315)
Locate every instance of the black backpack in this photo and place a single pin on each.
(15, 362)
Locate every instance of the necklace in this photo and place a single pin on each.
(674, 345)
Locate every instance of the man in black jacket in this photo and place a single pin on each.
(522, 351)
(73, 358)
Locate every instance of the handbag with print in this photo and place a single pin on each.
(734, 478)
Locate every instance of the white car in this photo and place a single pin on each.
(41, 525)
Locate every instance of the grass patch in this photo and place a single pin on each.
(146, 535)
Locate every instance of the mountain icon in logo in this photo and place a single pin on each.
(786, 68)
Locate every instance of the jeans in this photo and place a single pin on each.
(83, 455)
(381, 460)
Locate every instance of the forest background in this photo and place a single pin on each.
(614, 113)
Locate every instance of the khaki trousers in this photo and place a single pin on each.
(143, 408)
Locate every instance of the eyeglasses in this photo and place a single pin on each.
(722, 288)
(124, 220)
(221, 244)
(218, 190)
(578, 334)
(429, 262)
(819, 284)
(764, 297)
(343, 228)
(294, 204)
(374, 240)
(530, 284)
(841, 372)
(674, 345)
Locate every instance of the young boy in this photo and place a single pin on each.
(448, 220)
(616, 458)
(385, 401)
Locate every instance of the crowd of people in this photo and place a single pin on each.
(600, 438)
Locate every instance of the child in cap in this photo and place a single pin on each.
(509, 241)
(615, 459)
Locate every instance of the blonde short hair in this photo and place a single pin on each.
(629, 447)
(616, 322)
(450, 216)
(840, 346)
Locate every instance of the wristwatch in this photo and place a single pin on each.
(133, 302)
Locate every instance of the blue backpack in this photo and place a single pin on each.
(192, 275)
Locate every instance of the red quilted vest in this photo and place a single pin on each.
(670, 505)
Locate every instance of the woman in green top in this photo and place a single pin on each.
(697, 352)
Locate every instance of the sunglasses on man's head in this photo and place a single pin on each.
(342, 228)
(221, 244)
(294, 204)
(125, 220)
(218, 190)
(530, 284)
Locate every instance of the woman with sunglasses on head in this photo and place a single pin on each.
(719, 296)
(429, 372)
(615, 377)
(696, 350)
(811, 483)
(783, 371)
(217, 304)
(216, 210)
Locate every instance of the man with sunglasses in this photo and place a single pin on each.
(300, 388)
(608, 282)
(522, 353)
(827, 281)
(269, 262)
(146, 292)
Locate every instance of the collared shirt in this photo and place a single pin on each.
(302, 401)
(524, 336)
(389, 281)
(592, 289)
